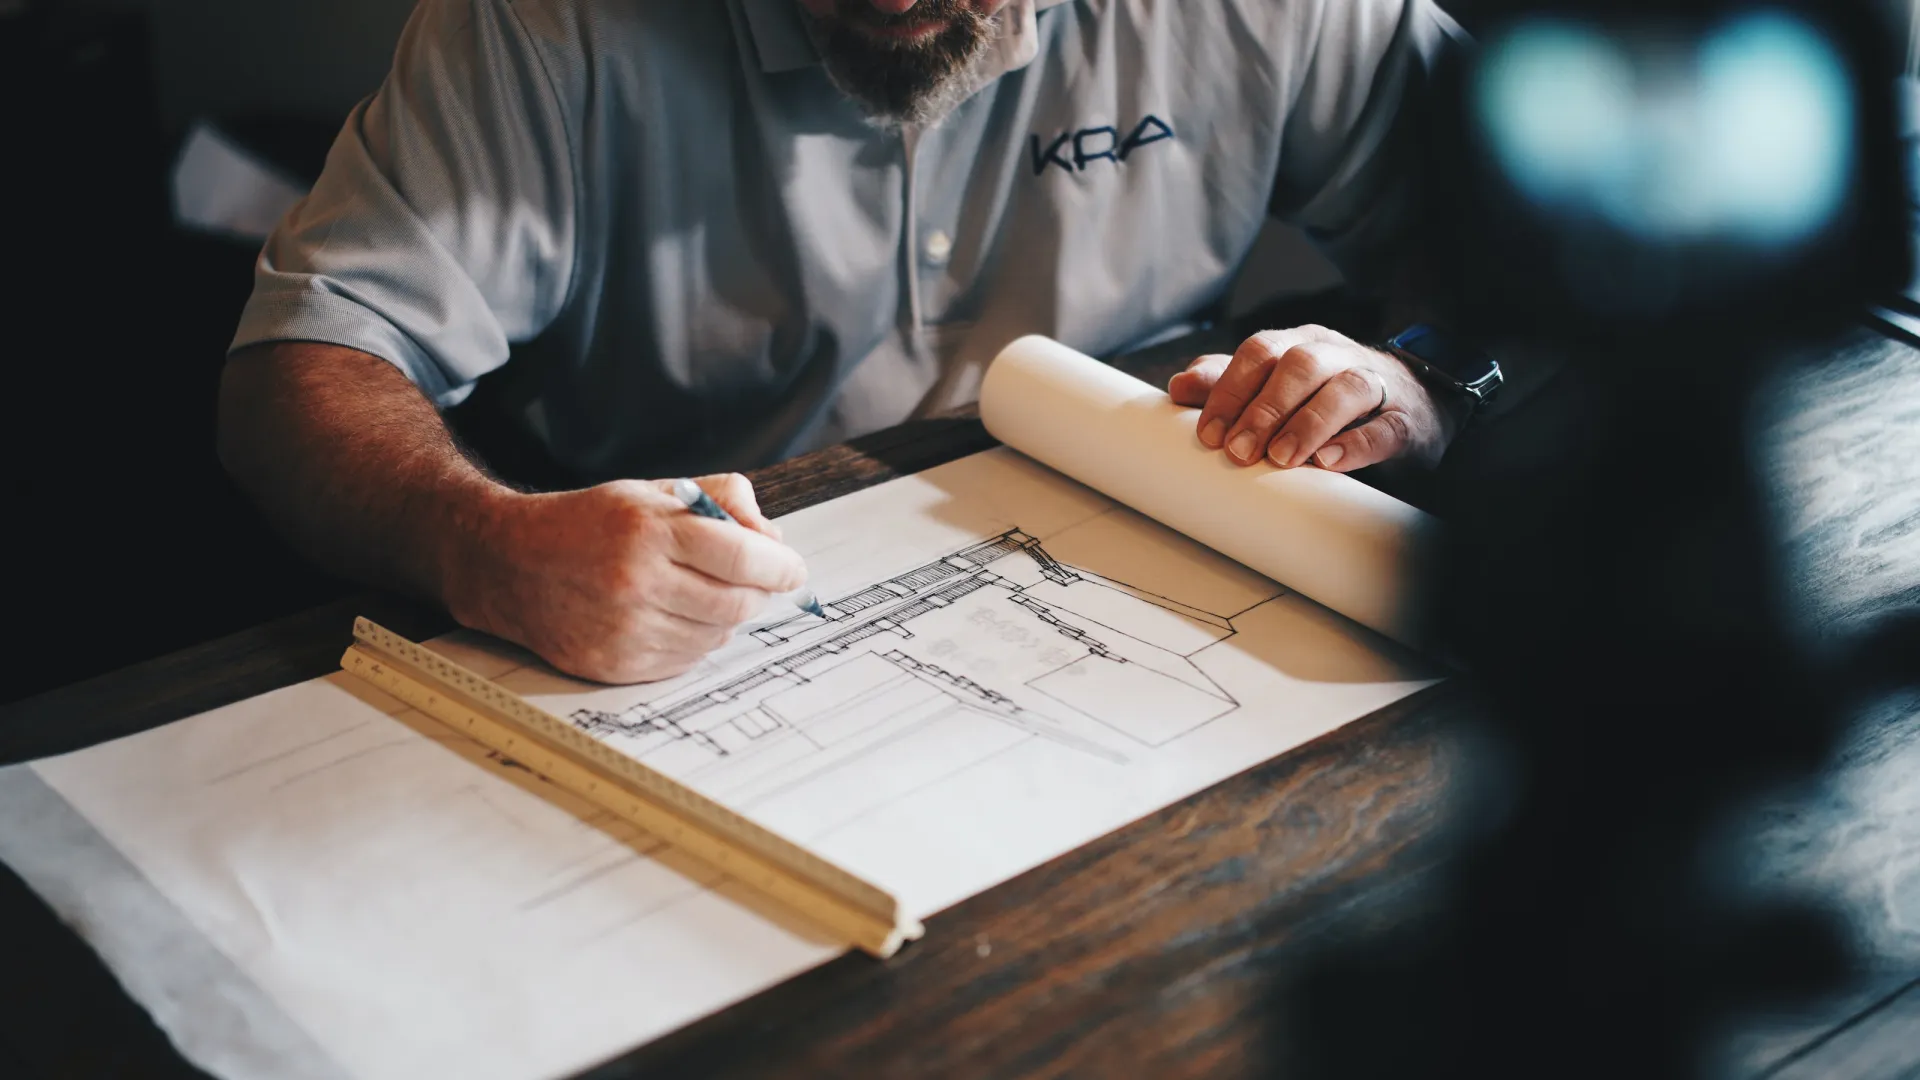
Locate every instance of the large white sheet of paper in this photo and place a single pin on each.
(1013, 665)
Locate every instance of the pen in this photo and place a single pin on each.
(702, 503)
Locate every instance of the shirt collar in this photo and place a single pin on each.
(781, 40)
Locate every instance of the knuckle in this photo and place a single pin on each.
(1257, 353)
(1327, 335)
(1262, 415)
(1224, 404)
(621, 489)
(1267, 342)
(1396, 428)
(1301, 358)
(625, 500)
(1313, 415)
(1353, 381)
(1227, 398)
(622, 580)
(639, 526)
(627, 579)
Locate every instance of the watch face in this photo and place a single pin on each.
(1446, 355)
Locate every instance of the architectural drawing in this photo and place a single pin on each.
(979, 700)
(999, 635)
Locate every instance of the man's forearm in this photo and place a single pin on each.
(351, 463)
(614, 582)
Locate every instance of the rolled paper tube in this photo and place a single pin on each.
(1326, 536)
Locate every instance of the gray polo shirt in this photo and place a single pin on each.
(691, 253)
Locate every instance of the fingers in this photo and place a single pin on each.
(1290, 396)
(706, 601)
(752, 556)
(1294, 379)
(735, 556)
(1237, 385)
(735, 493)
(1386, 436)
(1348, 396)
(670, 635)
(621, 583)
(1192, 387)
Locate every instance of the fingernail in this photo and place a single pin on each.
(1283, 449)
(1215, 430)
(1245, 446)
(1330, 456)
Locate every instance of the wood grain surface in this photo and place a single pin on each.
(1150, 952)
(1156, 950)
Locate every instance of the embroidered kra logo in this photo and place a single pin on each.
(1076, 151)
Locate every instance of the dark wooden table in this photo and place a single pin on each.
(1154, 951)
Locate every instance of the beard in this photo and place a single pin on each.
(903, 82)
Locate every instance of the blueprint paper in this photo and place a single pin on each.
(1012, 666)
(1328, 536)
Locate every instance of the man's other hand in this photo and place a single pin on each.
(1313, 395)
(619, 583)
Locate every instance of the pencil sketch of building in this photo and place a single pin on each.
(991, 645)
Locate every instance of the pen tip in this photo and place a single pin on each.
(809, 603)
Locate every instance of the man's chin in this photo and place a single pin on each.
(904, 79)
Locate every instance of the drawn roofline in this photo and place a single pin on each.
(889, 607)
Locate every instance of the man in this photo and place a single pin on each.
(713, 234)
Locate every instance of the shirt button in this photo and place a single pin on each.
(938, 248)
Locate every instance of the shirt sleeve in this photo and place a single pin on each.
(1350, 150)
(442, 228)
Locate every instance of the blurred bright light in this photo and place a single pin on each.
(1746, 135)
(1778, 110)
(1558, 99)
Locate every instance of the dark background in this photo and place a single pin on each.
(125, 540)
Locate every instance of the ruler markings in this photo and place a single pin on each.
(494, 716)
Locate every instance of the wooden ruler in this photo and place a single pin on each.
(865, 915)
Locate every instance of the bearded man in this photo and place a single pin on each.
(704, 235)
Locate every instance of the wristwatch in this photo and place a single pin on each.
(1448, 366)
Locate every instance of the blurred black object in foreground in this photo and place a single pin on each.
(1674, 197)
